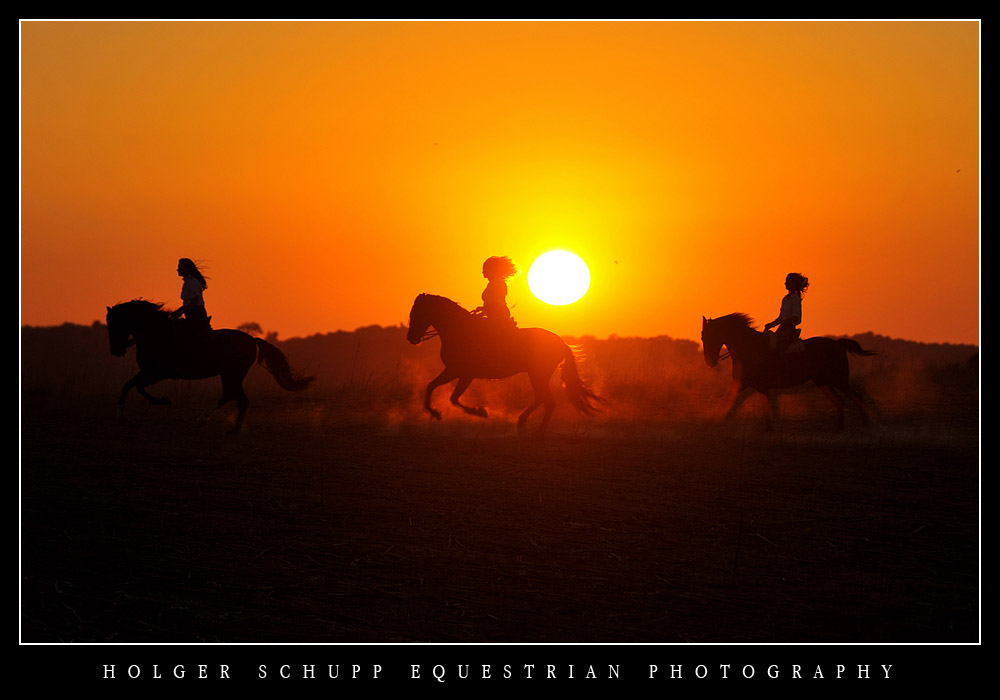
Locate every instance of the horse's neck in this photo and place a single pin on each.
(151, 327)
(744, 341)
(452, 319)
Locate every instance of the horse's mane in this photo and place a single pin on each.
(440, 300)
(733, 323)
(141, 306)
(736, 319)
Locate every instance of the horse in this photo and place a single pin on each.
(475, 347)
(756, 365)
(163, 353)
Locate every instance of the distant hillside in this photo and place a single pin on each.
(376, 366)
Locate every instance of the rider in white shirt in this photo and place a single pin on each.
(193, 303)
(790, 315)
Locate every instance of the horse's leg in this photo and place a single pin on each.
(837, 402)
(446, 376)
(735, 397)
(140, 381)
(543, 395)
(242, 403)
(463, 384)
(155, 400)
(858, 401)
(522, 420)
(127, 387)
(770, 409)
(232, 389)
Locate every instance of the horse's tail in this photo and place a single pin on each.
(853, 347)
(275, 362)
(580, 394)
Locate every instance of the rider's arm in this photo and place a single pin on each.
(790, 321)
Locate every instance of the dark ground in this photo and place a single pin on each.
(320, 526)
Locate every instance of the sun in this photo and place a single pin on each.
(558, 277)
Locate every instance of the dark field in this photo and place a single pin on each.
(343, 514)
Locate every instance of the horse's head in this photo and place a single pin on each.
(119, 331)
(711, 341)
(128, 320)
(419, 320)
(431, 310)
(735, 331)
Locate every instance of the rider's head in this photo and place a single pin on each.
(795, 282)
(187, 268)
(499, 267)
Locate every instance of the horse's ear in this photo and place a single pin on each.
(108, 308)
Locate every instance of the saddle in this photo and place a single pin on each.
(499, 324)
(192, 338)
(793, 342)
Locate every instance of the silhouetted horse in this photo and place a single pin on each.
(757, 366)
(162, 353)
(475, 347)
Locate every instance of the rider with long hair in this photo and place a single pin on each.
(192, 298)
(497, 269)
(790, 315)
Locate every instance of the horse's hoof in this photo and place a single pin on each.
(435, 414)
(481, 412)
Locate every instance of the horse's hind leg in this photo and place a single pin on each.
(855, 397)
(463, 384)
(837, 402)
(543, 395)
(232, 389)
(522, 420)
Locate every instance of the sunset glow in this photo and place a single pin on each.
(324, 173)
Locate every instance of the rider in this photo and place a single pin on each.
(193, 302)
(790, 315)
(497, 270)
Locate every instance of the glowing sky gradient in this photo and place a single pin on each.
(326, 173)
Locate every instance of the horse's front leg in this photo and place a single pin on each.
(140, 381)
(463, 384)
(733, 400)
(443, 378)
(155, 400)
(770, 409)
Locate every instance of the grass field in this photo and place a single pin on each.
(344, 514)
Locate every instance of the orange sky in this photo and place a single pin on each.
(326, 173)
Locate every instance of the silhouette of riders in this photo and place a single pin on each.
(497, 269)
(195, 328)
(790, 315)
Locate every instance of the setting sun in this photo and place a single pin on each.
(559, 277)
